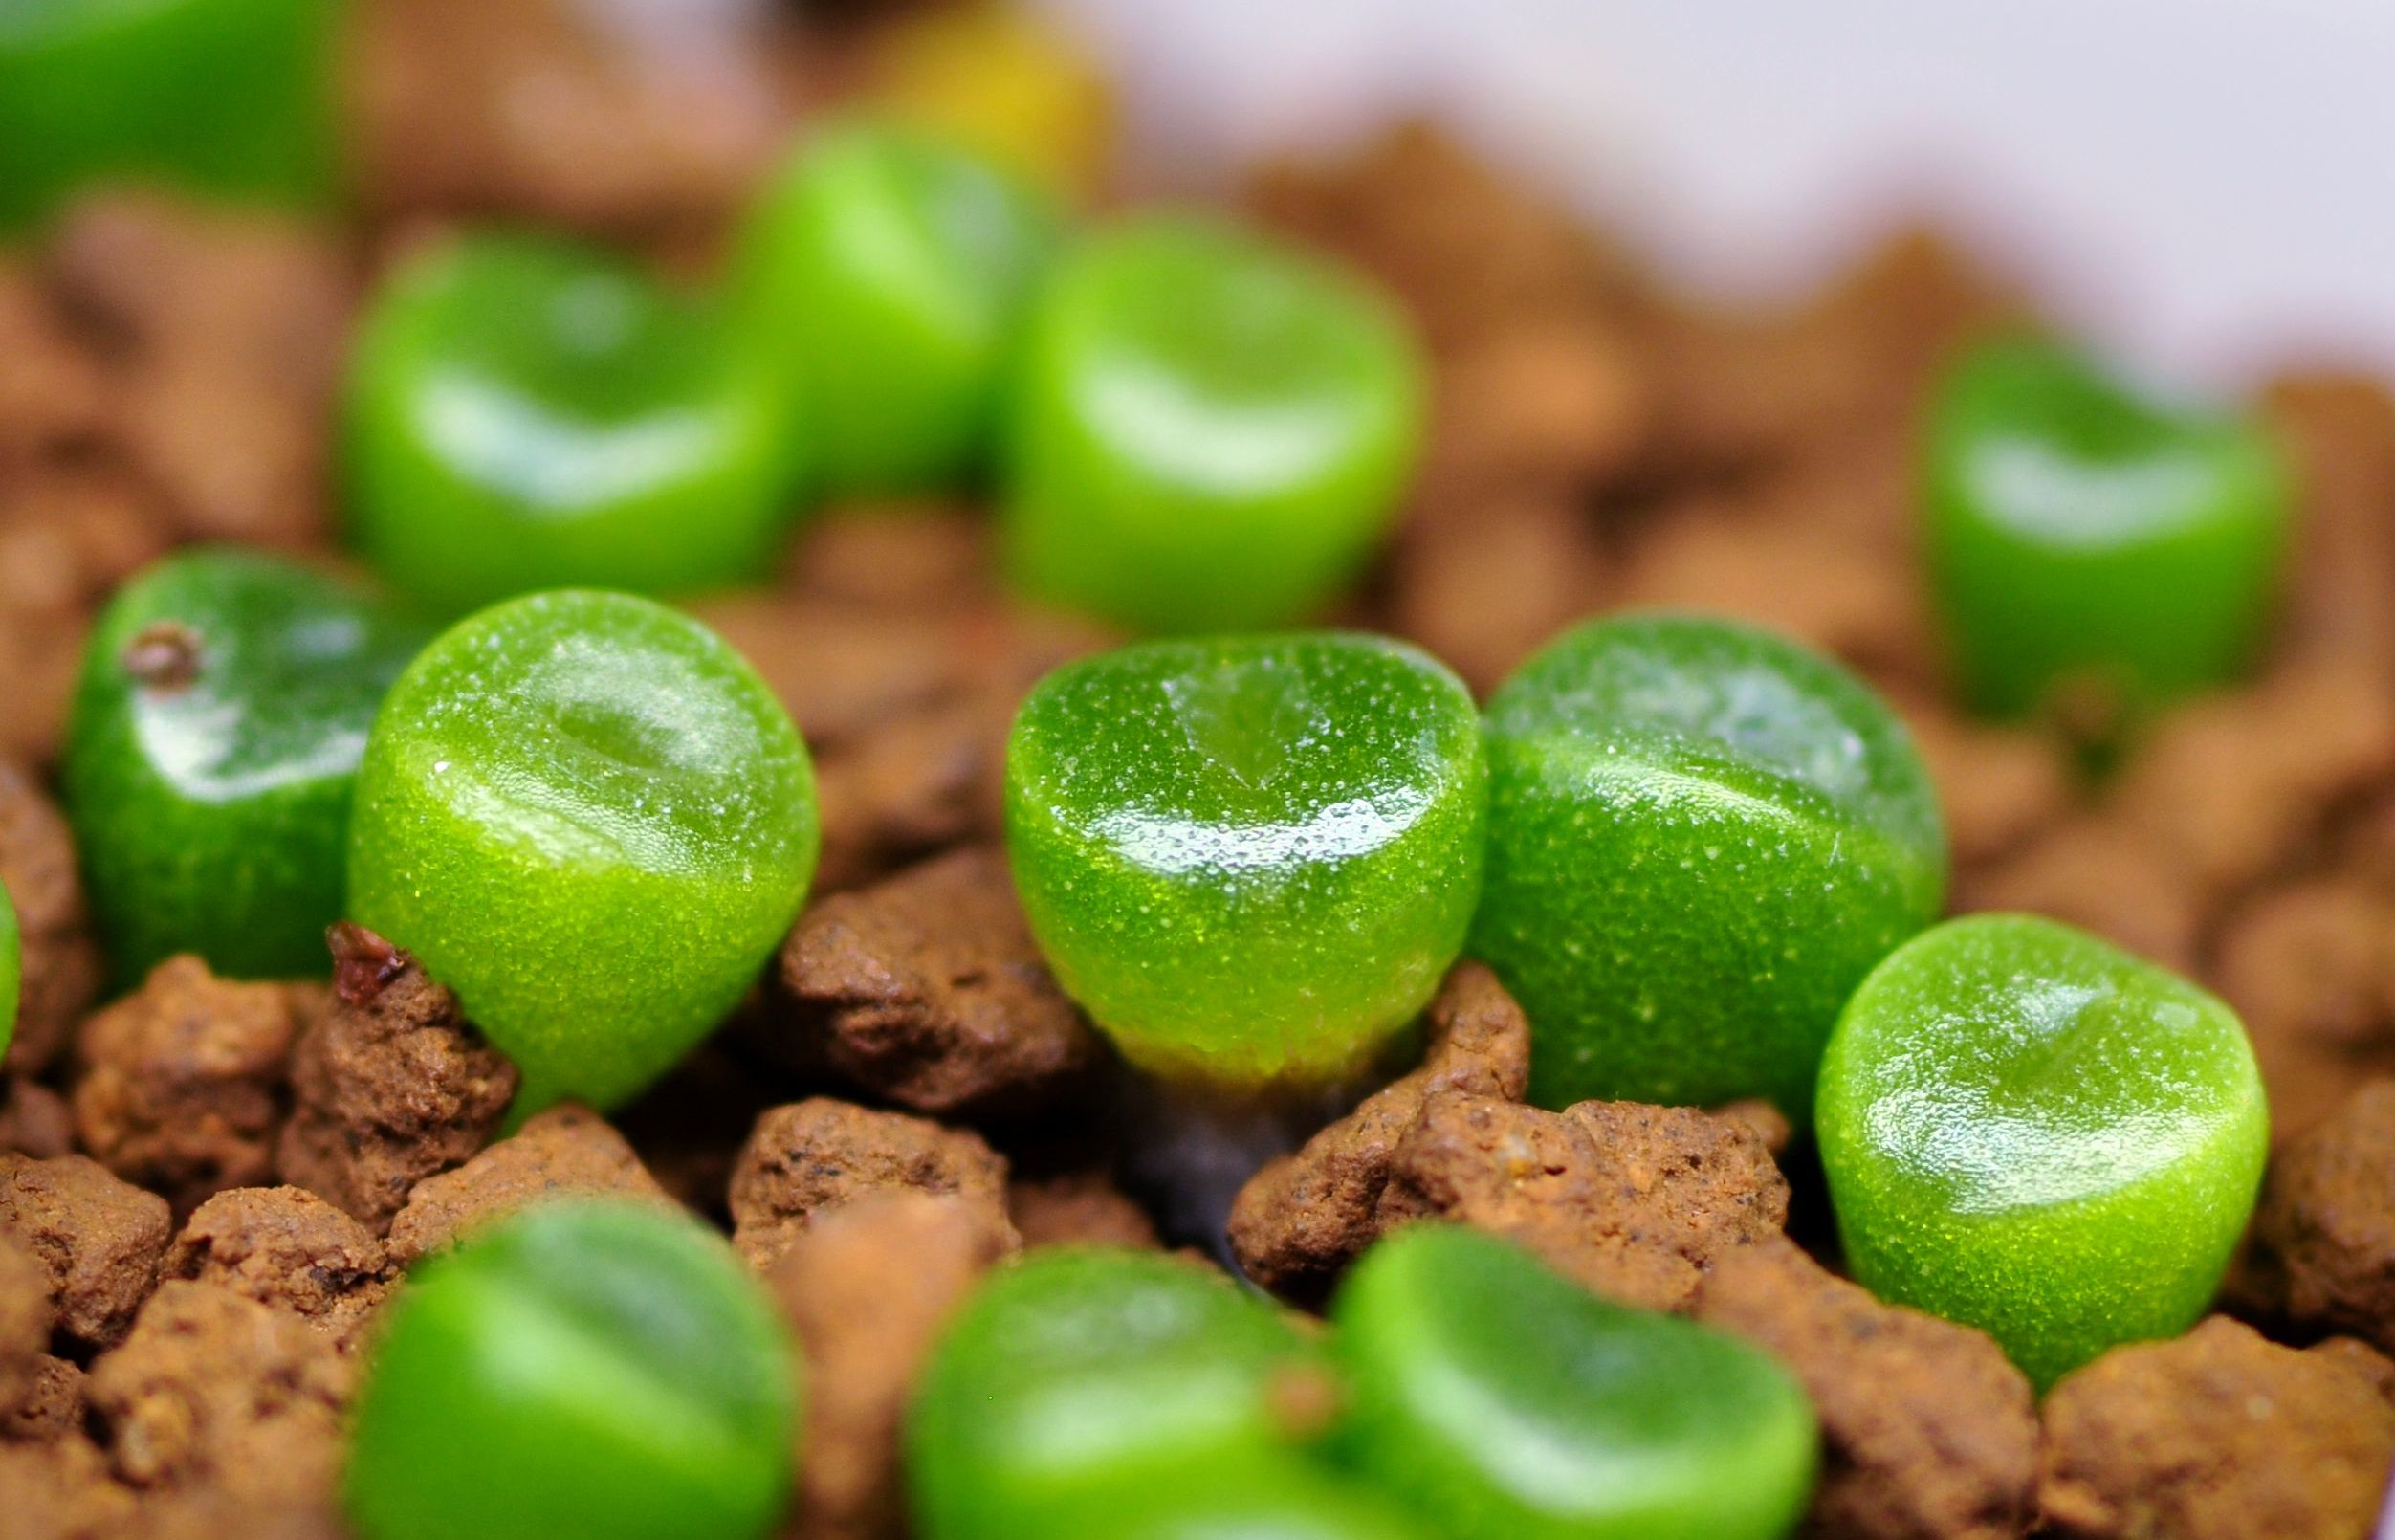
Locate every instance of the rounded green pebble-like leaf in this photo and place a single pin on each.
(596, 1370)
(2033, 1132)
(1080, 1374)
(1291, 1499)
(1701, 836)
(591, 818)
(1209, 429)
(214, 739)
(232, 98)
(1250, 859)
(12, 966)
(885, 274)
(2081, 536)
(527, 414)
(1504, 1403)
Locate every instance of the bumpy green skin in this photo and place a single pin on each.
(591, 818)
(1701, 837)
(1250, 859)
(211, 812)
(1504, 1403)
(1080, 1374)
(1208, 432)
(12, 967)
(2080, 536)
(599, 1370)
(526, 414)
(226, 97)
(886, 271)
(2031, 1132)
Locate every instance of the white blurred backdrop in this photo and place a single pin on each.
(2203, 184)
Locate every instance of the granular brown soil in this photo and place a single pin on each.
(909, 1098)
(866, 1288)
(2219, 1436)
(564, 1151)
(2324, 1244)
(286, 1248)
(390, 1087)
(181, 1087)
(100, 1240)
(1926, 1429)
(820, 1154)
(927, 990)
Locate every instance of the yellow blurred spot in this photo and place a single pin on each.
(1008, 82)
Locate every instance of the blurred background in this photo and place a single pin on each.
(2201, 184)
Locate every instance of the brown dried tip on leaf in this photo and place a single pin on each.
(2323, 1249)
(363, 963)
(182, 1090)
(1927, 1430)
(212, 1389)
(61, 966)
(818, 1155)
(164, 656)
(2311, 968)
(2219, 1436)
(1078, 1208)
(100, 1238)
(865, 1289)
(286, 1248)
(1304, 1217)
(564, 1150)
(927, 989)
(391, 1086)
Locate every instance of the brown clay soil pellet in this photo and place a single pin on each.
(2219, 1436)
(1078, 1208)
(564, 1152)
(26, 1314)
(101, 1240)
(390, 1087)
(1304, 1217)
(820, 1154)
(2323, 1251)
(286, 1248)
(61, 965)
(926, 989)
(1634, 1202)
(214, 1389)
(865, 1289)
(182, 1081)
(1926, 1429)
